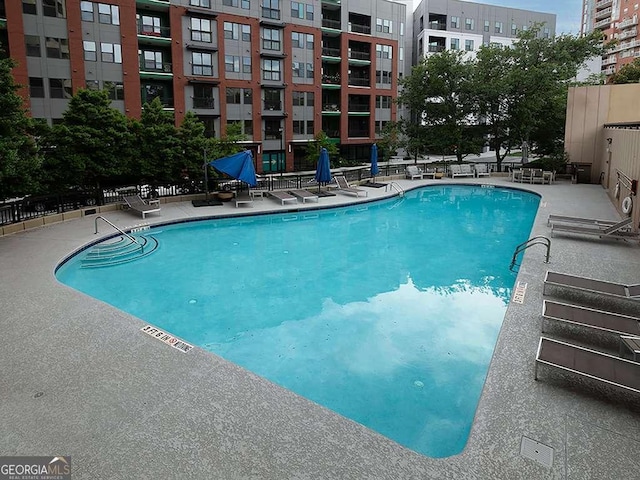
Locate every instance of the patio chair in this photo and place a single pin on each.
(590, 318)
(591, 285)
(466, 170)
(585, 362)
(244, 199)
(618, 230)
(537, 176)
(430, 172)
(137, 204)
(481, 170)
(412, 172)
(526, 175)
(580, 221)
(284, 197)
(304, 195)
(344, 187)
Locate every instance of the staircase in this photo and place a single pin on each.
(122, 249)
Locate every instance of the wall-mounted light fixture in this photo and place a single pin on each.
(609, 140)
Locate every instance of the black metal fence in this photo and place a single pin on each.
(30, 207)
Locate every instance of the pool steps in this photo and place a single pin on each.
(121, 250)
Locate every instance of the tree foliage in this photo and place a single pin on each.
(20, 159)
(629, 73)
(320, 140)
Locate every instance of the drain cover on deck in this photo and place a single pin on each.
(519, 291)
(537, 451)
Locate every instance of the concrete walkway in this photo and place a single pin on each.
(78, 378)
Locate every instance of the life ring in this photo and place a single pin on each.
(627, 205)
(617, 190)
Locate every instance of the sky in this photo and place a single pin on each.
(568, 12)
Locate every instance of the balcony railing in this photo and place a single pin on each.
(329, 23)
(603, 3)
(154, 31)
(602, 23)
(153, 66)
(603, 13)
(632, 32)
(359, 55)
(357, 107)
(273, 105)
(358, 132)
(330, 107)
(333, 79)
(359, 28)
(628, 23)
(359, 81)
(436, 48)
(330, 52)
(204, 102)
(437, 26)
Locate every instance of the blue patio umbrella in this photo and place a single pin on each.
(374, 162)
(323, 170)
(239, 166)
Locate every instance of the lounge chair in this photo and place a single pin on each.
(591, 285)
(481, 170)
(137, 204)
(463, 170)
(304, 195)
(412, 172)
(344, 187)
(244, 199)
(284, 197)
(590, 318)
(593, 364)
(430, 172)
(618, 230)
(580, 221)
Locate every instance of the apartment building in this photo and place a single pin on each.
(617, 20)
(440, 25)
(283, 69)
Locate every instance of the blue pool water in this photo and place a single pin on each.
(386, 313)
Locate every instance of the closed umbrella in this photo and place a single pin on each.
(323, 170)
(525, 152)
(374, 162)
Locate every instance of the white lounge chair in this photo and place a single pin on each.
(463, 170)
(284, 197)
(481, 170)
(430, 172)
(137, 204)
(413, 172)
(344, 187)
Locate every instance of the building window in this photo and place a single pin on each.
(298, 99)
(201, 30)
(200, 3)
(379, 126)
(90, 54)
(246, 33)
(546, 32)
(247, 96)
(109, 14)
(298, 69)
(272, 99)
(455, 44)
(514, 29)
(86, 11)
(468, 45)
(231, 63)
(271, 69)
(309, 70)
(301, 10)
(59, 88)
(272, 130)
(246, 64)
(231, 31)
(402, 29)
(29, 7)
(32, 42)
(487, 24)
(271, 9)
(498, 27)
(202, 64)
(233, 95)
(148, 25)
(93, 85)
(271, 39)
(297, 40)
(115, 90)
(245, 4)
(384, 51)
(383, 26)
(57, 47)
(469, 24)
(111, 52)
(298, 127)
(54, 8)
(36, 87)
(383, 77)
(383, 101)
(151, 60)
(203, 97)
(455, 22)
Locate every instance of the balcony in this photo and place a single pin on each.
(331, 79)
(609, 60)
(358, 133)
(603, 13)
(610, 70)
(157, 67)
(272, 106)
(628, 22)
(359, 81)
(154, 31)
(359, 109)
(437, 26)
(436, 48)
(204, 103)
(154, 4)
(603, 3)
(359, 55)
(630, 33)
(330, 23)
(604, 24)
(356, 28)
(331, 109)
(330, 52)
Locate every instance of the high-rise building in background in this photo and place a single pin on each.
(617, 20)
(284, 70)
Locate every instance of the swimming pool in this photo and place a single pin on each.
(386, 313)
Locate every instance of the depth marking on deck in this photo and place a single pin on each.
(518, 294)
(164, 337)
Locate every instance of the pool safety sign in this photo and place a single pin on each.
(167, 338)
(518, 294)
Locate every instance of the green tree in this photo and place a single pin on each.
(93, 144)
(440, 96)
(390, 140)
(629, 73)
(193, 144)
(320, 140)
(20, 159)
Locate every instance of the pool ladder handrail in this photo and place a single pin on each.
(537, 240)
(100, 217)
(396, 187)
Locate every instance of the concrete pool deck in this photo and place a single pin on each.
(79, 378)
